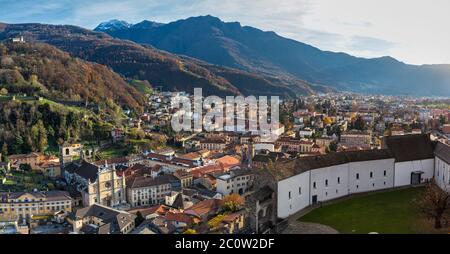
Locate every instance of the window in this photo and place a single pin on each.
(339, 180)
(314, 185)
(289, 195)
(337, 191)
(300, 190)
(371, 174)
(384, 173)
(357, 176)
(326, 182)
(357, 186)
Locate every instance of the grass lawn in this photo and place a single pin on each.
(387, 212)
(26, 181)
(113, 152)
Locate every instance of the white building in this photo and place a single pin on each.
(146, 190)
(235, 181)
(414, 158)
(406, 160)
(442, 166)
(327, 177)
(265, 146)
(307, 132)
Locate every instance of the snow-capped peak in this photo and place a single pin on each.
(114, 24)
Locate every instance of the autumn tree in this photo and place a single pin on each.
(233, 202)
(434, 203)
(359, 124)
(190, 231)
(39, 136)
(214, 223)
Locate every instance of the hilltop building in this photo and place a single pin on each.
(404, 160)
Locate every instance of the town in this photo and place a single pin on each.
(138, 176)
(205, 126)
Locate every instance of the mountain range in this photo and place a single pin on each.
(159, 68)
(265, 53)
(226, 59)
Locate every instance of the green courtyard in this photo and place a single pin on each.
(384, 212)
(24, 181)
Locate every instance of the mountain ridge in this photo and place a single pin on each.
(39, 68)
(244, 47)
(142, 62)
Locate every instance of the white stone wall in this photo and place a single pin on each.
(442, 174)
(403, 171)
(330, 182)
(223, 186)
(373, 175)
(293, 194)
(337, 181)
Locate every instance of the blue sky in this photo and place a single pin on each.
(413, 31)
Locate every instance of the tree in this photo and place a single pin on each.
(333, 147)
(18, 144)
(190, 231)
(233, 202)
(33, 79)
(25, 167)
(39, 136)
(359, 124)
(214, 223)
(4, 152)
(139, 219)
(434, 203)
(136, 133)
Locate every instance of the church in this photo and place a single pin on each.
(97, 184)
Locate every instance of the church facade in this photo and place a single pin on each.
(97, 184)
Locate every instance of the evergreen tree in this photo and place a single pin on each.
(5, 152)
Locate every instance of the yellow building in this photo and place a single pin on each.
(25, 205)
(185, 178)
(49, 165)
(32, 159)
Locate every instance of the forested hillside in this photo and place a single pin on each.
(43, 70)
